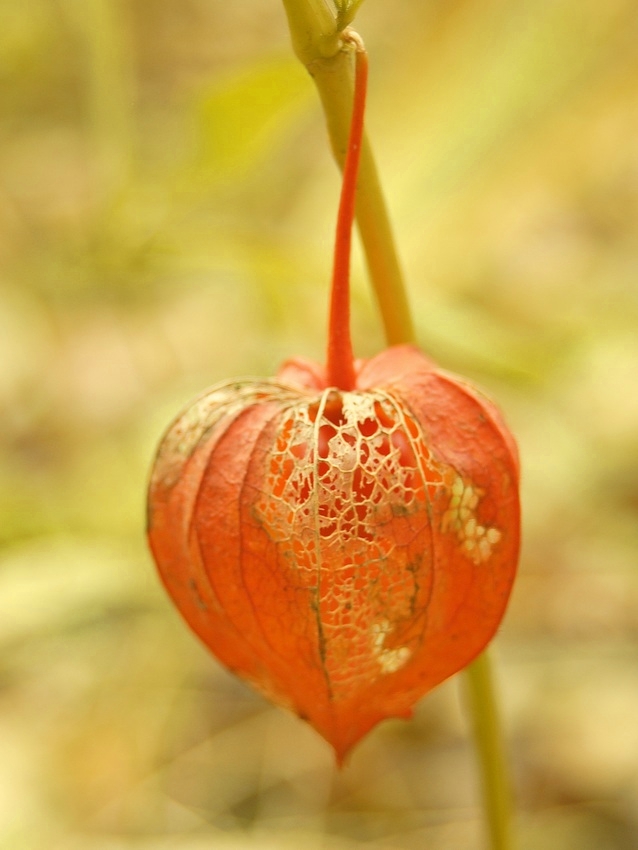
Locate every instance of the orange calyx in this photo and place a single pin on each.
(343, 551)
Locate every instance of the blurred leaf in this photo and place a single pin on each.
(241, 118)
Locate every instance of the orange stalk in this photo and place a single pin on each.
(340, 359)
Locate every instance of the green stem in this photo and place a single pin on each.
(487, 733)
(315, 27)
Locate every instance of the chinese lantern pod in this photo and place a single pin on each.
(342, 551)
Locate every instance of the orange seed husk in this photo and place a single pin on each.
(342, 551)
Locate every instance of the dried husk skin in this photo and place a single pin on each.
(343, 552)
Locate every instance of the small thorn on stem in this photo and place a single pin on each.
(340, 361)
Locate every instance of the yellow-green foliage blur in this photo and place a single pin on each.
(167, 206)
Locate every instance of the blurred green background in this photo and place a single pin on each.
(167, 205)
